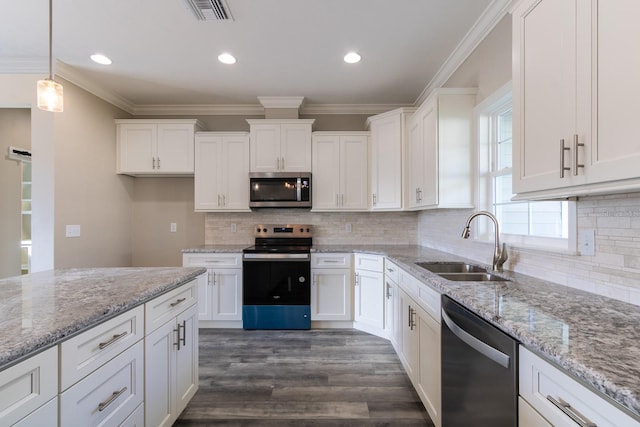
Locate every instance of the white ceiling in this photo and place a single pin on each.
(162, 55)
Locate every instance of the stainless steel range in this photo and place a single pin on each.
(276, 283)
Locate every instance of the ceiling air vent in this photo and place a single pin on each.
(210, 10)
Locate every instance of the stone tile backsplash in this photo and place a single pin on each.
(613, 271)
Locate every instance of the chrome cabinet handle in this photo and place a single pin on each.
(342, 200)
(224, 200)
(153, 163)
(112, 340)
(576, 164)
(357, 279)
(563, 168)
(218, 200)
(571, 412)
(214, 278)
(374, 199)
(389, 294)
(282, 163)
(337, 200)
(178, 301)
(419, 195)
(103, 405)
(158, 162)
(483, 348)
(184, 334)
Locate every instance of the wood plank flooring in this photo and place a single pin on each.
(301, 378)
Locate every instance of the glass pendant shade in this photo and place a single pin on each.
(50, 96)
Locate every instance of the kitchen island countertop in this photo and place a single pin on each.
(594, 338)
(39, 310)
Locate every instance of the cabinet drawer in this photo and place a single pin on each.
(28, 385)
(136, 419)
(391, 270)
(528, 417)
(540, 381)
(231, 260)
(84, 353)
(369, 262)
(429, 300)
(330, 260)
(44, 416)
(166, 306)
(109, 395)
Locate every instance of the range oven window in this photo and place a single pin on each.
(276, 282)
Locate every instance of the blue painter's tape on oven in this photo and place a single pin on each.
(276, 317)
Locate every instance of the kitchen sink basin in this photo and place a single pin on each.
(451, 267)
(473, 277)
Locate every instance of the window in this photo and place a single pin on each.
(542, 224)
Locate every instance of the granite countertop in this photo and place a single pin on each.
(593, 338)
(42, 309)
(207, 249)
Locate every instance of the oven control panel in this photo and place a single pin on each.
(283, 230)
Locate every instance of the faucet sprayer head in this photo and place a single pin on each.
(465, 233)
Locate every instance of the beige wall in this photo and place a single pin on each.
(15, 130)
(157, 202)
(489, 65)
(87, 190)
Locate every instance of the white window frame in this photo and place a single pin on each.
(486, 158)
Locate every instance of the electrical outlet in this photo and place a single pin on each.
(348, 227)
(587, 242)
(173, 227)
(234, 228)
(73, 231)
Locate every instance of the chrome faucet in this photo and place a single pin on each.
(499, 254)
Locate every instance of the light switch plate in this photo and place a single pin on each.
(173, 227)
(73, 231)
(587, 242)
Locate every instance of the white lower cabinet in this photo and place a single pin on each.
(331, 295)
(220, 290)
(171, 369)
(109, 395)
(44, 416)
(408, 339)
(560, 399)
(528, 417)
(428, 382)
(369, 292)
(27, 386)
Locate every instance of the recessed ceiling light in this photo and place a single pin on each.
(352, 58)
(226, 58)
(100, 59)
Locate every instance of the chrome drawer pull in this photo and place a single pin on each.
(173, 304)
(576, 164)
(563, 168)
(571, 412)
(112, 340)
(184, 333)
(102, 406)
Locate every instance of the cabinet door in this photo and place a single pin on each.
(544, 97)
(186, 358)
(354, 172)
(528, 417)
(331, 294)
(408, 335)
(370, 296)
(160, 374)
(295, 147)
(205, 297)
(208, 178)
(235, 176)
(429, 191)
(175, 148)
(389, 310)
(136, 147)
(386, 163)
(326, 172)
(415, 160)
(265, 147)
(226, 294)
(615, 151)
(428, 373)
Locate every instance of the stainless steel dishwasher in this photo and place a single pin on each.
(479, 371)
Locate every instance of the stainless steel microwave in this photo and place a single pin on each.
(279, 190)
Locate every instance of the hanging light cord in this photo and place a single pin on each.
(50, 39)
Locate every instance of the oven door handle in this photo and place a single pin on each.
(481, 347)
(270, 257)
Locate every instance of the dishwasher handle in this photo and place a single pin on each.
(485, 349)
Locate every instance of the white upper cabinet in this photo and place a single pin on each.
(340, 171)
(387, 141)
(573, 93)
(156, 147)
(221, 180)
(439, 155)
(280, 145)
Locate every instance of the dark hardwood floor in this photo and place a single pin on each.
(301, 378)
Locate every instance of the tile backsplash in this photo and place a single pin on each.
(613, 271)
(399, 228)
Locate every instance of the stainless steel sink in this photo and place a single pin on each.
(473, 277)
(461, 272)
(451, 267)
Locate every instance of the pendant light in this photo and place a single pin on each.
(49, 92)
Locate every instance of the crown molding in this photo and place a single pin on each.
(349, 108)
(74, 76)
(24, 65)
(482, 27)
(199, 110)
